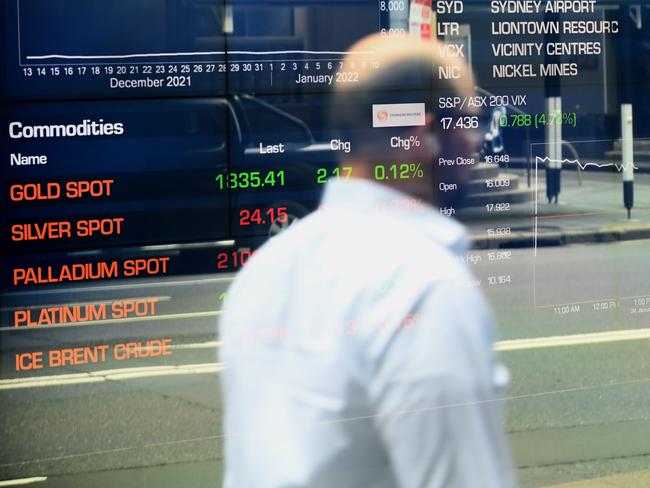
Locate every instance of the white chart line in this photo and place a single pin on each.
(186, 54)
(539, 159)
(619, 167)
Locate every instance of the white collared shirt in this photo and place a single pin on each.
(358, 353)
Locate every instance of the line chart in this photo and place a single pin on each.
(201, 53)
(618, 166)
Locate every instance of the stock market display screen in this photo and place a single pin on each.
(149, 147)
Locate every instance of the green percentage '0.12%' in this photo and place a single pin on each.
(538, 120)
(398, 171)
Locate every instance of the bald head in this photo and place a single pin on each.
(401, 58)
(403, 71)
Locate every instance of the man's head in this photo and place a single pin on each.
(404, 71)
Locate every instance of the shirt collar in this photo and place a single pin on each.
(366, 195)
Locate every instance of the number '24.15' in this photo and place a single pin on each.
(259, 217)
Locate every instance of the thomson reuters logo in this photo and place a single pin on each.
(398, 115)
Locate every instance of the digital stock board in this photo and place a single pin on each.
(150, 146)
(139, 153)
(175, 146)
